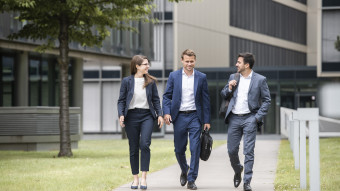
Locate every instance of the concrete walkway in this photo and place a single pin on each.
(216, 173)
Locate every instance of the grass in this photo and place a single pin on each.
(287, 178)
(96, 165)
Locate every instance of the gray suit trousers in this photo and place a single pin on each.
(239, 126)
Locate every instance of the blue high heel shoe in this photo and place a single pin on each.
(143, 187)
(134, 187)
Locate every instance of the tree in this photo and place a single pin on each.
(60, 22)
(337, 43)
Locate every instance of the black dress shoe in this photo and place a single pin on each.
(192, 186)
(184, 178)
(237, 178)
(246, 187)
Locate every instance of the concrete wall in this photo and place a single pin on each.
(35, 128)
(202, 26)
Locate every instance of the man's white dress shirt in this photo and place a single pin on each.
(241, 104)
(188, 97)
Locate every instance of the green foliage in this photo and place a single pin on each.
(337, 43)
(287, 178)
(87, 20)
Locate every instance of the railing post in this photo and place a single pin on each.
(295, 125)
(296, 140)
(312, 114)
(303, 162)
(287, 124)
(291, 131)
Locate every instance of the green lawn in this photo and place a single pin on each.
(96, 165)
(287, 178)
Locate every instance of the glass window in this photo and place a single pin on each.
(34, 84)
(330, 3)
(302, 1)
(91, 73)
(217, 121)
(330, 32)
(110, 74)
(44, 82)
(270, 120)
(135, 38)
(6, 80)
(115, 44)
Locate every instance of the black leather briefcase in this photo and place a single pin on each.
(206, 145)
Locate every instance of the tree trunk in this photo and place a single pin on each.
(64, 124)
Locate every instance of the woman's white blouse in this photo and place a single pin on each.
(139, 99)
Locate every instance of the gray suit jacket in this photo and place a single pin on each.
(258, 96)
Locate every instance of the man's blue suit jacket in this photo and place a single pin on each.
(126, 93)
(258, 96)
(173, 94)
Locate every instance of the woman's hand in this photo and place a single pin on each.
(121, 121)
(160, 121)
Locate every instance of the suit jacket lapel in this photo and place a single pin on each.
(131, 88)
(180, 75)
(131, 84)
(236, 90)
(196, 78)
(252, 81)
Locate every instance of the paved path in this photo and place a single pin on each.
(216, 174)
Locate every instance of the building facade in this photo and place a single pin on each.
(102, 79)
(293, 43)
(29, 85)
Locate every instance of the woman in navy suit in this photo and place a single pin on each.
(138, 106)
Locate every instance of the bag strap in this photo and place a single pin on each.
(237, 78)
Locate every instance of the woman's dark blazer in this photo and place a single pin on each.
(126, 93)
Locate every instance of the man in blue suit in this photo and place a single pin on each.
(246, 110)
(186, 104)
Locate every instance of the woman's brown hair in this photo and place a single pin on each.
(138, 60)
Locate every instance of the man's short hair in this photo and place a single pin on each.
(247, 58)
(188, 52)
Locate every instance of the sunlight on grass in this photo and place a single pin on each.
(287, 178)
(96, 165)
